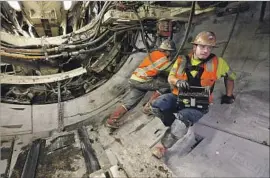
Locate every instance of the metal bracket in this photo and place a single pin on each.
(60, 110)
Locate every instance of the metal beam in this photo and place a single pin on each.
(15, 79)
(91, 160)
(31, 163)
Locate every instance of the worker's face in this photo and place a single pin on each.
(202, 51)
(168, 53)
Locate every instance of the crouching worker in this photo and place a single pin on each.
(199, 69)
(146, 78)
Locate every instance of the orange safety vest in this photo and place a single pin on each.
(147, 69)
(209, 75)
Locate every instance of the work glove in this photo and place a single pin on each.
(182, 85)
(227, 99)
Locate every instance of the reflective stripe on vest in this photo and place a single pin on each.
(209, 65)
(154, 65)
(140, 79)
(159, 64)
(181, 68)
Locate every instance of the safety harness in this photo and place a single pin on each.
(196, 80)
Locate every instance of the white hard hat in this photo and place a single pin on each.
(167, 45)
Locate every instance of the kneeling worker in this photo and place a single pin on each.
(146, 78)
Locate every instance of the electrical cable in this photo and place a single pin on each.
(93, 49)
(143, 39)
(230, 34)
(41, 51)
(186, 34)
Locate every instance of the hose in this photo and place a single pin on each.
(132, 27)
(134, 45)
(63, 54)
(106, 6)
(79, 46)
(186, 34)
(93, 24)
(60, 49)
(93, 49)
(21, 56)
(230, 35)
(144, 42)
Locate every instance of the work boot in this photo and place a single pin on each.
(171, 136)
(114, 120)
(159, 151)
(166, 142)
(147, 107)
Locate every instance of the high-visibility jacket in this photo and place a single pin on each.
(149, 69)
(207, 78)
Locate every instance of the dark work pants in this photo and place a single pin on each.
(165, 106)
(139, 89)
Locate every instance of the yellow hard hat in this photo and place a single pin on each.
(205, 38)
(167, 45)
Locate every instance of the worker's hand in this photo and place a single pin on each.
(227, 99)
(182, 85)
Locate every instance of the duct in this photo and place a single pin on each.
(14, 79)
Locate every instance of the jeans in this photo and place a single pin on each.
(165, 106)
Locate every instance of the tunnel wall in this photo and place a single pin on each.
(26, 119)
(247, 53)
